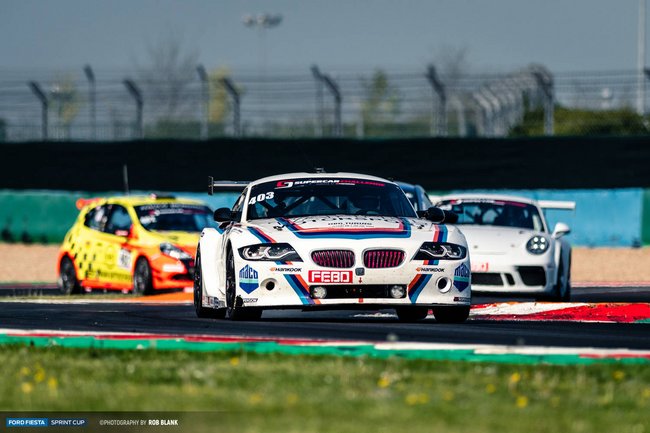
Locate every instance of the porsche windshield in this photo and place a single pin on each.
(174, 217)
(495, 213)
(327, 196)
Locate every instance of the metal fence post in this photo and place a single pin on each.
(439, 90)
(334, 89)
(36, 88)
(234, 94)
(92, 101)
(205, 97)
(320, 109)
(137, 96)
(545, 82)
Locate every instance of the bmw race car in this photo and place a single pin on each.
(330, 240)
(511, 247)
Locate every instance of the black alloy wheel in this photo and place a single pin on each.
(67, 281)
(142, 280)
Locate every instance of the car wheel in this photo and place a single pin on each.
(451, 314)
(562, 288)
(142, 281)
(411, 314)
(234, 304)
(201, 311)
(67, 281)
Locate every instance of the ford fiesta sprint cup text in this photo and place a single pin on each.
(512, 249)
(335, 240)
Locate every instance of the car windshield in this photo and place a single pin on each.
(179, 217)
(327, 196)
(495, 213)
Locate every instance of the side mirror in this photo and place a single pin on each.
(439, 216)
(222, 215)
(560, 230)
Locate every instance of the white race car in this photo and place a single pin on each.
(511, 247)
(330, 240)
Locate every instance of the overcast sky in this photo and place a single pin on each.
(564, 35)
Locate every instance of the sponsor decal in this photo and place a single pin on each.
(248, 279)
(285, 270)
(462, 299)
(331, 277)
(249, 300)
(429, 270)
(461, 277)
(291, 183)
(124, 259)
(403, 230)
(480, 267)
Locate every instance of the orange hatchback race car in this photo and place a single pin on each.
(133, 243)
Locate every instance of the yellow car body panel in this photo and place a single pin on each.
(107, 259)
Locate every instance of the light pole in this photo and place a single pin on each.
(262, 22)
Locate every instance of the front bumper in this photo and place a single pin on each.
(270, 285)
(496, 274)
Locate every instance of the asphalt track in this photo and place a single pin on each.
(339, 325)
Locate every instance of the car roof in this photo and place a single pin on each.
(336, 175)
(479, 196)
(136, 200)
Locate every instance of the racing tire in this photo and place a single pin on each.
(451, 314)
(234, 304)
(142, 279)
(201, 311)
(67, 281)
(411, 314)
(562, 289)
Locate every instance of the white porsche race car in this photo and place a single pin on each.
(511, 247)
(330, 240)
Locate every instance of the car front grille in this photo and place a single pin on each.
(333, 258)
(383, 258)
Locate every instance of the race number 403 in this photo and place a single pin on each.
(261, 197)
(337, 277)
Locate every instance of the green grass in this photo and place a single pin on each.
(279, 393)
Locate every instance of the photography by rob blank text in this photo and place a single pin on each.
(94, 421)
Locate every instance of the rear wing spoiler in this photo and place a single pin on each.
(226, 185)
(553, 204)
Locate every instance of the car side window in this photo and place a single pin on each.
(238, 206)
(96, 218)
(119, 221)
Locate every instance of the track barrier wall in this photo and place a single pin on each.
(603, 218)
(435, 163)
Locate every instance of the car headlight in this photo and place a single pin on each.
(173, 251)
(537, 245)
(440, 251)
(272, 252)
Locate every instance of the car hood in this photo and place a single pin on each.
(495, 240)
(342, 226)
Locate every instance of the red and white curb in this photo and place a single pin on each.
(568, 312)
(469, 350)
